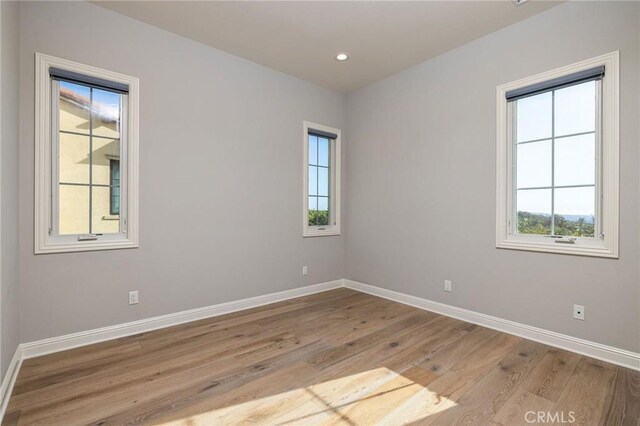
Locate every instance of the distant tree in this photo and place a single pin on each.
(540, 224)
(318, 217)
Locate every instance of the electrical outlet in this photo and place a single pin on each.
(133, 297)
(305, 271)
(447, 285)
(578, 312)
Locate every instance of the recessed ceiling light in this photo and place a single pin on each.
(342, 56)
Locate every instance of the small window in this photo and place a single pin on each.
(114, 187)
(558, 161)
(321, 180)
(86, 160)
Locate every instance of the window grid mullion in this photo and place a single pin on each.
(553, 162)
(90, 159)
(99, 185)
(329, 154)
(570, 135)
(317, 179)
(556, 187)
(69, 132)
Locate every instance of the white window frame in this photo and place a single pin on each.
(605, 243)
(44, 215)
(334, 187)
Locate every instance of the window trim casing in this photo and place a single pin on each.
(43, 243)
(608, 246)
(334, 187)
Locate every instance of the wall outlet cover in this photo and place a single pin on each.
(133, 297)
(578, 312)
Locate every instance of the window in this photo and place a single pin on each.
(321, 181)
(86, 129)
(557, 160)
(114, 187)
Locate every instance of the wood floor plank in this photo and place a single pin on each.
(387, 398)
(588, 392)
(522, 409)
(549, 378)
(337, 357)
(58, 370)
(486, 397)
(400, 351)
(257, 400)
(186, 388)
(479, 348)
(625, 403)
(337, 354)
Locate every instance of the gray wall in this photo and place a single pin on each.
(421, 181)
(220, 135)
(9, 49)
(220, 178)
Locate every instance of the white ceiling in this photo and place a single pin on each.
(302, 38)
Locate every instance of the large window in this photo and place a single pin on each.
(86, 158)
(322, 180)
(558, 161)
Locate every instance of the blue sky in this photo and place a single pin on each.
(105, 102)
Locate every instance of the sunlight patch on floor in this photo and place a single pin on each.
(378, 396)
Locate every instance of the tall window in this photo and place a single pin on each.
(322, 180)
(558, 161)
(86, 121)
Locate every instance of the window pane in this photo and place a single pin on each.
(74, 108)
(575, 211)
(100, 212)
(323, 181)
(104, 151)
(114, 207)
(106, 113)
(534, 164)
(73, 216)
(73, 160)
(313, 211)
(114, 181)
(534, 211)
(323, 211)
(313, 149)
(313, 180)
(575, 160)
(323, 152)
(313, 203)
(323, 203)
(575, 109)
(534, 117)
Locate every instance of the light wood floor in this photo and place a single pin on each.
(338, 357)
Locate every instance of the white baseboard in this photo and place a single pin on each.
(599, 351)
(9, 380)
(89, 337)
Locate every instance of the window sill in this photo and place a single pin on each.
(111, 217)
(569, 249)
(80, 246)
(314, 232)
